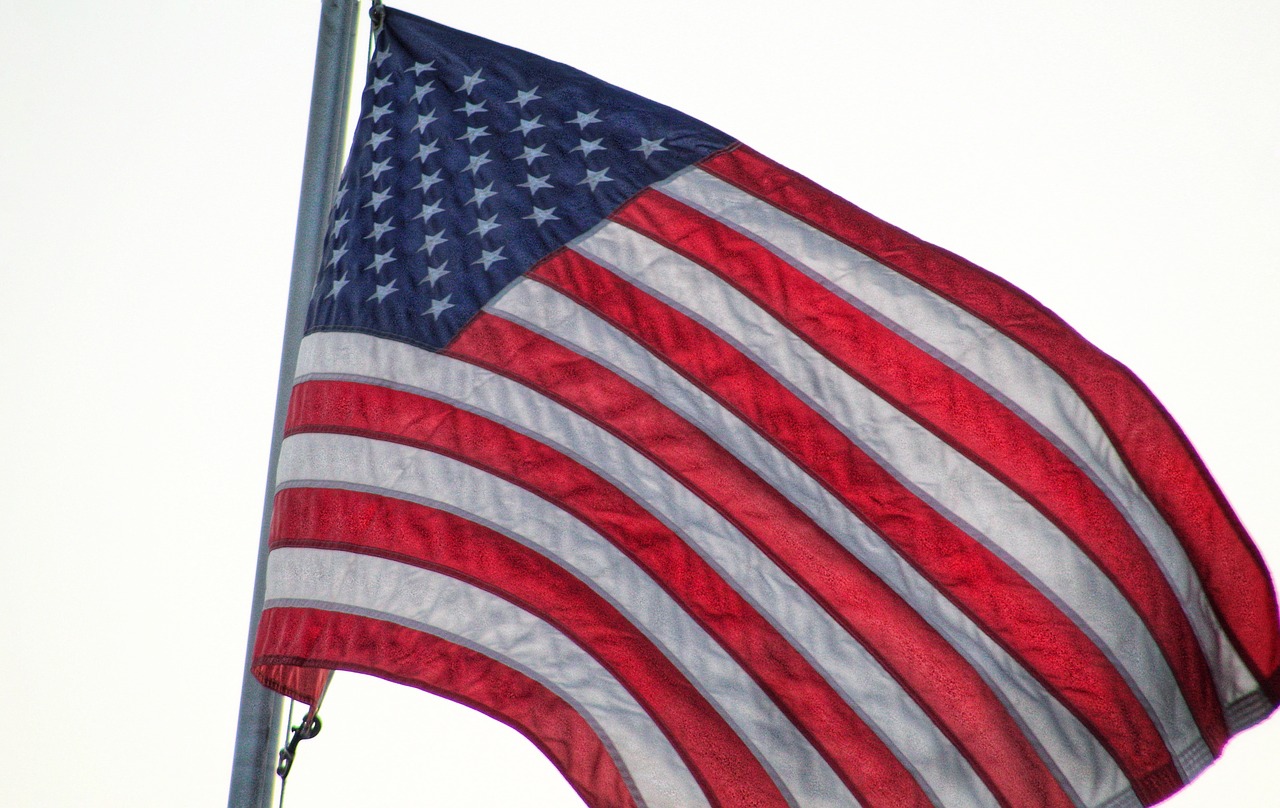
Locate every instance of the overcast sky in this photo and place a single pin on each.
(1120, 161)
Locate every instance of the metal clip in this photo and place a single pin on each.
(309, 728)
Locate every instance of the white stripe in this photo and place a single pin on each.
(432, 602)
(1088, 768)
(422, 475)
(863, 682)
(953, 483)
(990, 358)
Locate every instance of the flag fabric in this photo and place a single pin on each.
(722, 491)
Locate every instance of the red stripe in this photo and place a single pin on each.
(1028, 625)
(313, 638)
(870, 769)
(1154, 448)
(440, 541)
(957, 411)
(306, 685)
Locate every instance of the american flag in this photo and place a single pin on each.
(723, 491)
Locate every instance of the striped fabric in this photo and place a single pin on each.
(743, 497)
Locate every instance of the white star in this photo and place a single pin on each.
(474, 132)
(585, 119)
(340, 195)
(380, 229)
(525, 96)
(420, 92)
(427, 181)
(588, 146)
(439, 306)
(376, 169)
(425, 150)
(380, 56)
(594, 178)
(378, 112)
(542, 215)
(650, 146)
(477, 160)
(532, 153)
(483, 226)
(336, 255)
(376, 139)
(378, 198)
(429, 243)
(434, 274)
(534, 184)
(338, 283)
(489, 257)
(379, 83)
(469, 82)
(481, 194)
(428, 211)
(528, 126)
(471, 109)
(380, 260)
(419, 68)
(424, 121)
(340, 223)
(382, 291)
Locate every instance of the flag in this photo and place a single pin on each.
(722, 491)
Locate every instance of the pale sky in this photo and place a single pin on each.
(1120, 161)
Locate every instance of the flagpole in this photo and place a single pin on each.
(258, 728)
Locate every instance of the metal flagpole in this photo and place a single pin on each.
(258, 729)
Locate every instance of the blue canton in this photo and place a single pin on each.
(471, 162)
